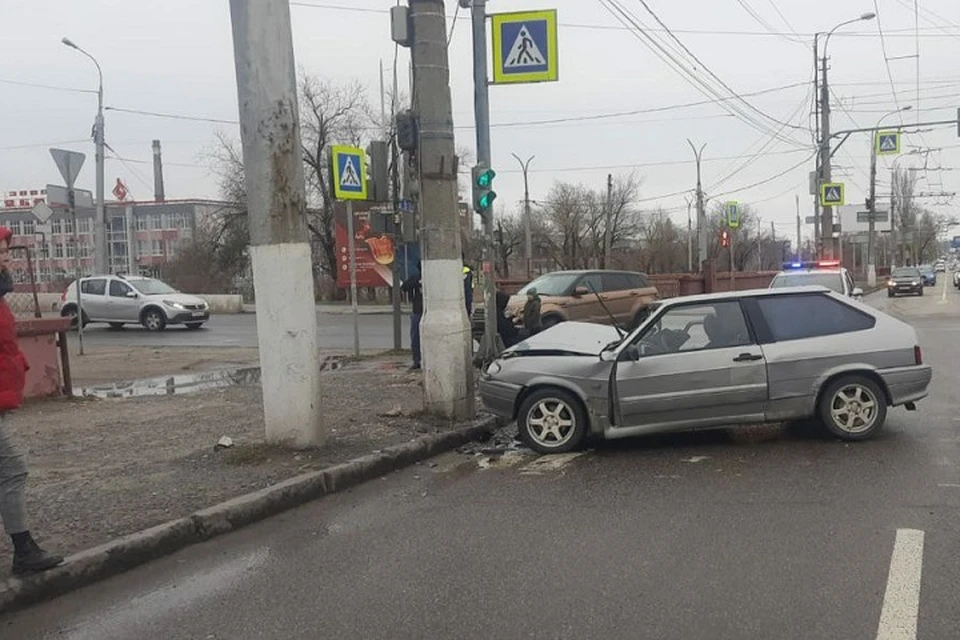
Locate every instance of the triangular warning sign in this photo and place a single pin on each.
(833, 194)
(350, 176)
(524, 52)
(888, 143)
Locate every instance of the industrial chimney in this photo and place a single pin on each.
(157, 173)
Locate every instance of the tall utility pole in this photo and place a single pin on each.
(608, 227)
(527, 230)
(759, 244)
(689, 238)
(276, 199)
(445, 328)
(701, 214)
(100, 222)
(481, 116)
(872, 201)
(798, 228)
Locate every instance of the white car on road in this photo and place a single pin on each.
(119, 300)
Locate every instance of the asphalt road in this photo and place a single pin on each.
(765, 533)
(335, 331)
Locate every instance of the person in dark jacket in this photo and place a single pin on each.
(468, 288)
(27, 554)
(505, 328)
(532, 321)
(413, 287)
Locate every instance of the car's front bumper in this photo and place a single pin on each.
(906, 288)
(500, 397)
(183, 317)
(907, 384)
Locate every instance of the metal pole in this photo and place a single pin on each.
(445, 329)
(798, 228)
(701, 214)
(872, 214)
(826, 216)
(276, 202)
(397, 240)
(733, 266)
(817, 213)
(78, 272)
(689, 239)
(354, 303)
(527, 223)
(759, 245)
(608, 227)
(481, 110)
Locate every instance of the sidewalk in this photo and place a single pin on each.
(100, 469)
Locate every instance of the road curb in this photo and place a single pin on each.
(123, 554)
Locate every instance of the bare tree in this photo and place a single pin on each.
(663, 244)
(509, 236)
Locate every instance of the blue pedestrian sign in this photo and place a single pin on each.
(525, 47)
(888, 143)
(349, 173)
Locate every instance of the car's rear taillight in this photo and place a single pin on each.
(917, 354)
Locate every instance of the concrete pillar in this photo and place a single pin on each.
(445, 329)
(276, 198)
(132, 249)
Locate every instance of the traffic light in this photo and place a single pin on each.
(408, 136)
(483, 194)
(724, 238)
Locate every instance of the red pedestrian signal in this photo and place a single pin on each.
(724, 238)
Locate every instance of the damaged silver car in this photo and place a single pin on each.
(711, 361)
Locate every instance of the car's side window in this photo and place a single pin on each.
(94, 287)
(616, 282)
(794, 317)
(592, 281)
(686, 328)
(119, 289)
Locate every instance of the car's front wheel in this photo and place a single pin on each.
(153, 320)
(552, 421)
(853, 408)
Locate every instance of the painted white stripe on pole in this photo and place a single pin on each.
(901, 602)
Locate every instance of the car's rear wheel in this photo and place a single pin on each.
(552, 421)
(70, 311)
(153, 320)
(194, 325)
(853, 408)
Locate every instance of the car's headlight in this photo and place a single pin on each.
(914, 283)
(494, 368)
(175, 305)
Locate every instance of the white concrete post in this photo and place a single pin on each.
(276, 201)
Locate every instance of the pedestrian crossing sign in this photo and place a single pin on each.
(832, 194)
(888, 143)
(348, 165)
(525, 47)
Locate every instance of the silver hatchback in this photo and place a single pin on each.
(712, 361)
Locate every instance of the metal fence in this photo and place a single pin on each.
(24, 300)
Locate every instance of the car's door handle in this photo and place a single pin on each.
(747, 357)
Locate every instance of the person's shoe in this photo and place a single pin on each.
(35, 559)
(415, 367)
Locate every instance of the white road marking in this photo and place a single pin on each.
(695, 459)
(943, 296)
(949, 485)
(901, 602)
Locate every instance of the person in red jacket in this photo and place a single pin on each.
(27, 554)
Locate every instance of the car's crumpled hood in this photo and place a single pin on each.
(568, 338)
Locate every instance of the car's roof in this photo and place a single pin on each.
(749, 293)
(580, 272)
(833, 270)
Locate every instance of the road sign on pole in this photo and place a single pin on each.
(349, 173)
(58, 195)
(732, 213)
(525, 47)
(888, 143)
(69, 163)
(832, 194)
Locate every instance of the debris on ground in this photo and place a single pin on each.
(225, 442)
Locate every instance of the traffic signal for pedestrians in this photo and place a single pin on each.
(483, 194)
(407, 133)
(724, 238)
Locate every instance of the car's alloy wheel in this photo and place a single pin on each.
(154, 321)
(551, 421)
(853, 408)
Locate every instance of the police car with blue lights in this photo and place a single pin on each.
(826, 273)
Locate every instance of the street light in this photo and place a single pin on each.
(100, 223)
(528, 234)
(872, 199)
(823, 162)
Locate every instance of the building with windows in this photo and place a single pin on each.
(142, 236)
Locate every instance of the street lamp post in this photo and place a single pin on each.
(872, 200)
(823, 168)
(100, 223)
(527, 232)
(701, 212)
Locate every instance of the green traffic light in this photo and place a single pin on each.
(485, 179)
(486, 200)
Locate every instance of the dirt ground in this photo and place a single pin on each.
(104, 468)
(114, 364)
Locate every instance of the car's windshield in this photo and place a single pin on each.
(151, 287)
(552, 284)
(803, 278)
(905, 272)
(925, 268)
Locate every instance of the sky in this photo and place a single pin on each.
(176, 57)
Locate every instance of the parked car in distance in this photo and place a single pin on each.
(928, 275)
(905, 280)
(940, 266)
(956, 278)
(826, 273)
(120, 300)
(711, 361)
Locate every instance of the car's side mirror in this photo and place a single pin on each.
(857, 292)
(132, 294)
(579, 292)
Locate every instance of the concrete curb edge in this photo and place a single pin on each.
(127, 552)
